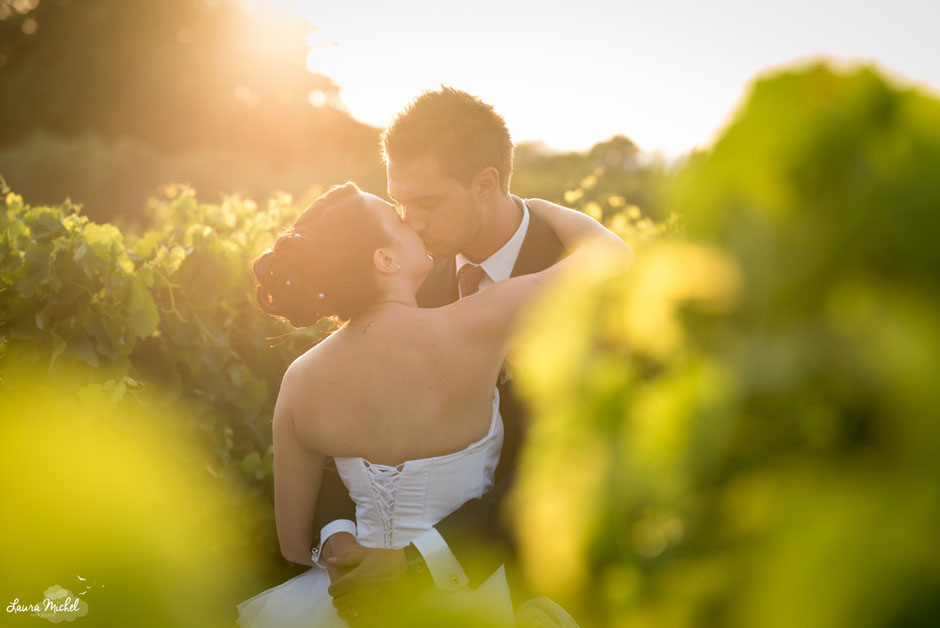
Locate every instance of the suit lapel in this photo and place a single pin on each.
(540, 249)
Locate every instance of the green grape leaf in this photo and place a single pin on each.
(142, 313)
(58, 347)
(43, 221)
(145, 246)
(251, 463)
(101, 238)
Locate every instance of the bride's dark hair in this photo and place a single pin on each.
(322, 266)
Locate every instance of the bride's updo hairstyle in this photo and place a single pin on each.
(322, 266)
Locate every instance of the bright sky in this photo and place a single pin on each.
(665, 73)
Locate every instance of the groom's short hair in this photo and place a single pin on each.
(462, 132)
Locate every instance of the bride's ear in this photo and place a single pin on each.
(385, 261)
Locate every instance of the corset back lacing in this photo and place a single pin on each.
(383, 480)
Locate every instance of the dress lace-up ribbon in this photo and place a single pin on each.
(383, 480)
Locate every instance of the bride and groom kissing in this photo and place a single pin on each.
(396, 437)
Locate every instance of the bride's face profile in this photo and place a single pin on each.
(410, 252)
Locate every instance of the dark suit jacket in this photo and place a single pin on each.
(475, 532)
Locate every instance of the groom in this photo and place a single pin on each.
(449, 162)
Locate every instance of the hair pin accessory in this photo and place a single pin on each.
(287, 283)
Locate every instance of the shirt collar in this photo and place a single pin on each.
(499, 265)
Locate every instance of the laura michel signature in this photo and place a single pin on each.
(68, 606)
(56, 600)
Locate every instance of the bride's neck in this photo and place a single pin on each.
(388, 302)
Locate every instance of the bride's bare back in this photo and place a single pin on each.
(418, 383)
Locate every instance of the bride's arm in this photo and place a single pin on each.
(489, 315)
(573, 227)
(297, 475)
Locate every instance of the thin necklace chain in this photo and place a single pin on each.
(371, 323)
(365, 328)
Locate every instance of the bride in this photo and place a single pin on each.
(402, 398)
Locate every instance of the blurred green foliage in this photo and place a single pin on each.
(171, 310)
(611, 176)
(106, 501)
(741, 430)
(112, 179)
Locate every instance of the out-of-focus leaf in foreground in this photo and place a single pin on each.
(107, 498)
(741, 429)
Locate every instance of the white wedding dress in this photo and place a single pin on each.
(393, 506)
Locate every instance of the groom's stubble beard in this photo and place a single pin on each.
(468, 234)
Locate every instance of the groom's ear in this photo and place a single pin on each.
(486, 183)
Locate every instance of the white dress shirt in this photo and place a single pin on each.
(443, 566)
(499, 265)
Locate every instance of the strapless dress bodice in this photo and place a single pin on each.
(395, 504)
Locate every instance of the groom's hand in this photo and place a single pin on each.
(340, 544)
(370, 570)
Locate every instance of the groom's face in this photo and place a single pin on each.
(439, 208)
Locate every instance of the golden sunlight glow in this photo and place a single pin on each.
(666, 74)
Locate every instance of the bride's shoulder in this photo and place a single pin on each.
(302, 374)
(302, 382)
(308, 363)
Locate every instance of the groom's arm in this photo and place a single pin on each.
(474, 548)
(335, 510)
(475, 537)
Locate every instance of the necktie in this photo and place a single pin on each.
(469, 278)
